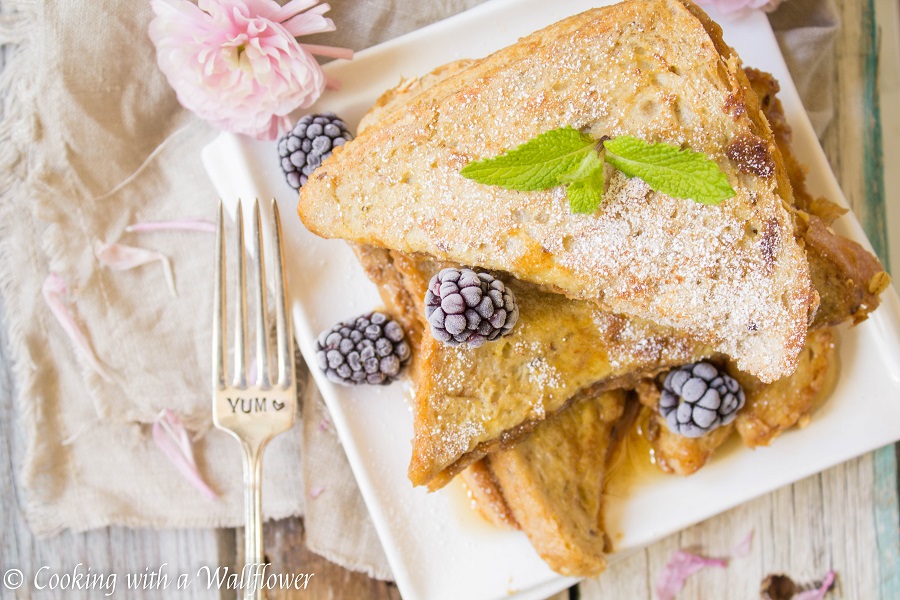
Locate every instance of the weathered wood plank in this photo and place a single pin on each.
(626, 578)
(287, 553)
(823, 522)
(855, 148)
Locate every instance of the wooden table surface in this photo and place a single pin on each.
(844, 519)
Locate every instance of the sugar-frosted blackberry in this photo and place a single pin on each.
(368, 349)
(698, 397)
(303, 148)
(465, 307)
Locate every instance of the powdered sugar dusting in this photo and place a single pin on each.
(704, 270)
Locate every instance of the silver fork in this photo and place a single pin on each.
(252, 412)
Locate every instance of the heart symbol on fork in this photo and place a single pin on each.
(277, 405)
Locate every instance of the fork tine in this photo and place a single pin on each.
(240, 314)
(262, 330)
(283, 319)
(219, 329)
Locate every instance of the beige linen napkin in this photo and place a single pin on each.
(91, 140)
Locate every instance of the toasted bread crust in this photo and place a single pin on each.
(775, 407)
(771, 408)
(487, 497)
(408, 87)
(847, 277)
(731, 275)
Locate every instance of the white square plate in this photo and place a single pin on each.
(438, 549)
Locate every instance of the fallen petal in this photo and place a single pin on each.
(316, 492)
(331, 83)
(53, 290)
(819, 593)
(682, 565)
(329, 51)
(171, 437)
(120, 257)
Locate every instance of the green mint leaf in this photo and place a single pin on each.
(538, 164)
(669, 169)
(585, 195)
(584, 169)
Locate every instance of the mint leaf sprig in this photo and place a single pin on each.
(676, 172)
(565, 156)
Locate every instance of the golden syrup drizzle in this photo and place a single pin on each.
(464, 507)
(633, 461)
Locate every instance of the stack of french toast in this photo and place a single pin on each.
(610, 301)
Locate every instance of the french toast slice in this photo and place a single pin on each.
(732, 276)
(473, 401)
(553, 481)
(550, 486)
(775, 407)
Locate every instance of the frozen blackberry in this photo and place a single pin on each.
(465, 307)
(698, 397)
(303, 148)
(368, 349)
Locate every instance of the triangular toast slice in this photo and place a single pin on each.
(550, 486)
(553, 482)
(473, 401)
(732, 275)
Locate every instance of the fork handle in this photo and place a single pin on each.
(253, 540)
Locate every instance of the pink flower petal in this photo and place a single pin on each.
(171, 437)
(292, 8)
(329, 51)
(237, 64)
(820, 592)
(309, 23)
(53, 290)
(120, 257)
(323, 424)
(682, 565)
(742, 549)
(185, 225)
(315, 492)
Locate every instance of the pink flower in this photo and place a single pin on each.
(735, 6)
(237, 64)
